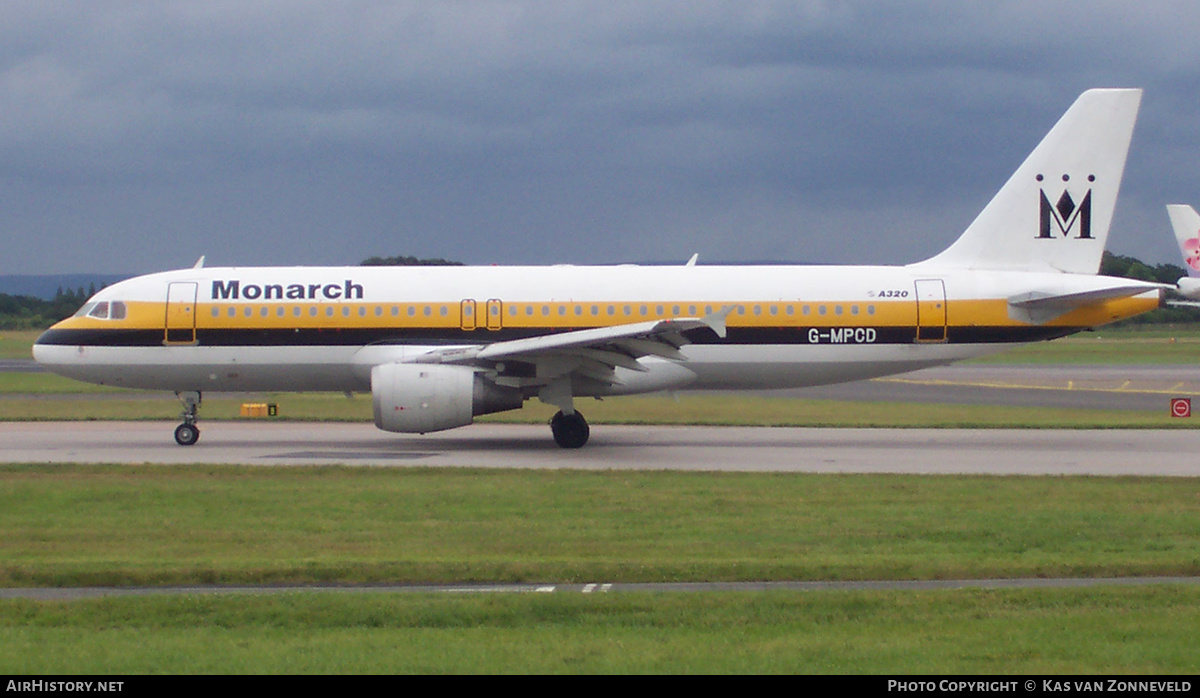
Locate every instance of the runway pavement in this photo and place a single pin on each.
(982, 451)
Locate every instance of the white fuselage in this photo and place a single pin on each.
(325, 328)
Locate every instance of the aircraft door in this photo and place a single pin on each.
(494, 310)
(931, 310)
(467, 314)
(180, 324)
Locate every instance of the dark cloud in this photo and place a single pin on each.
(137, 136)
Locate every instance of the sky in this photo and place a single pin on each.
(138, 136)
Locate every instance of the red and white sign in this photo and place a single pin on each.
(1181, 407)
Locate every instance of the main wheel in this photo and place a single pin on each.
(570, 430)
(186, 434)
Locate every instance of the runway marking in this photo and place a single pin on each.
(486, 589)
(940, 382)
(589, 588)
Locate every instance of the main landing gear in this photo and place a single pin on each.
(570, 430)
(188, 433)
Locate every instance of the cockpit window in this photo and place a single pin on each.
(103, 310)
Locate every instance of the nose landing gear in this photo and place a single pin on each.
(188, 433)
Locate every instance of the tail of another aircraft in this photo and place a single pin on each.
(1186, 223)
(1053, 214)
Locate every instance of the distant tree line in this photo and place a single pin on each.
(408, 262)
(30, 313)
(1134, 268)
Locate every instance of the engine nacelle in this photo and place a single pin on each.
(419, 398)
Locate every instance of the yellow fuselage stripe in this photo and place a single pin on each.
(544, 315)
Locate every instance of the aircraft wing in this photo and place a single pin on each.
(1041, 306)
(592, 353)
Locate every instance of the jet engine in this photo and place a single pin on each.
(419, 398)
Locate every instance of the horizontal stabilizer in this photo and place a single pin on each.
(1041, 306)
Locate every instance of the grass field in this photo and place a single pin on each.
(705, 409)
(17, 344)
(154, 525)
(1098, 631)
(1149, 344)
(106, 525)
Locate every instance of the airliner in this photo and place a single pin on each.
(439, 346)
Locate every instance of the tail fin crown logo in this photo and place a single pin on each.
(1064, 214)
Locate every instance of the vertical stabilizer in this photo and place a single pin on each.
(1186, 223)
(1055, 211)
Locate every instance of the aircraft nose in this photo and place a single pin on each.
(39, 348)
(47, 350)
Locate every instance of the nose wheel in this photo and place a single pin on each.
(570, 430)
(188, 433)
